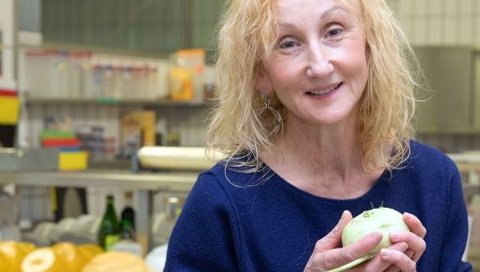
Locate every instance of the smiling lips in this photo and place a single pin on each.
(325, 91)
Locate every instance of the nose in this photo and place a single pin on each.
(319, 63)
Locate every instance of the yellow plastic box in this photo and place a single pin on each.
(68, 161)
(9, 110)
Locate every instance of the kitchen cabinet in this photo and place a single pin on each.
(450, 103)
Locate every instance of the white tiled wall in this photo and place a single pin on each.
(433, 22)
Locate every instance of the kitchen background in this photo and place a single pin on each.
(142, 35)
(158, 28)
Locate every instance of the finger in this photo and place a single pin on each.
(404, 248)
(398, 259)
(338, 257)
(334, 237)
(329, 242)
(360, 248)
(392, 268)
(380, 264)
(410, 253)
(415, 244)
(414, 224)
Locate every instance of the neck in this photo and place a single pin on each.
(321, 160)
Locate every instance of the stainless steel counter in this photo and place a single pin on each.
(165, 181)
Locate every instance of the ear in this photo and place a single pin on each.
(262, 83)
(368, 51)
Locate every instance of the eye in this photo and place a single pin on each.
(334, 32)
(288, 44)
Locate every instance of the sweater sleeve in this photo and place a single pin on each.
(456, 230)
(202, 239)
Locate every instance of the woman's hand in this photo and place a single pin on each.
(414, 240)
(402, 255)
(328, 253)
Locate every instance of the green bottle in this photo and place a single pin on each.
(109, 232)
(127, 224)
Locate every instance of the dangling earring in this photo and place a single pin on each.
(270, 114)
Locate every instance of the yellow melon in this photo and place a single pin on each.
(68, 254)
(12, 255)
(43, 260)
(4, 262)
(26, 247)
(90, 249)
(116, 261)
(87, 252)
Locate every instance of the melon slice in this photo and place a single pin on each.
(43, 260)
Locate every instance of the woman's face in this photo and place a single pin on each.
(318, 67)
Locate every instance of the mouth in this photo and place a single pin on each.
(325, 91)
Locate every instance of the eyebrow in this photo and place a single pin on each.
(329, 11)
(325, 14)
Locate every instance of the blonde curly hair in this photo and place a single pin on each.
(247, 35)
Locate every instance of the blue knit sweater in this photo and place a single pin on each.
(241, 224)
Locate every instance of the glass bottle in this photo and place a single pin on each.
(109, 231)
(127, 224)
(128, 240)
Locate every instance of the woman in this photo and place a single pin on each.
(315, 104)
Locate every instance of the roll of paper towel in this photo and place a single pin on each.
(184, 158)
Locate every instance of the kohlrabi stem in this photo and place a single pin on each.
(351, 264)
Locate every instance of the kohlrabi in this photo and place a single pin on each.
(384, 220)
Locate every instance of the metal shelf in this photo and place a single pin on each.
(29, 100)
(170, 181)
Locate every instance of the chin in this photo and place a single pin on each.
(335, 119)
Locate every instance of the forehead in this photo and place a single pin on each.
(308, 9)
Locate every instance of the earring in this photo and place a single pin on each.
(271, 116)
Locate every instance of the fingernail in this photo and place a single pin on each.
(375, 235)
(384, 252)
(408, 215)
(403, 246)
(394, 236)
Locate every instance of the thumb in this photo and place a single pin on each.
(334, 237)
